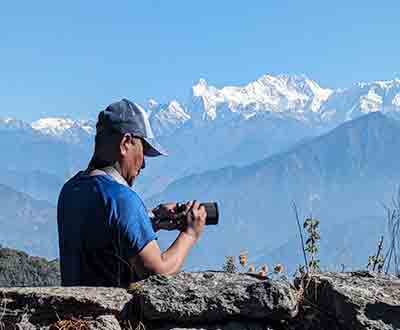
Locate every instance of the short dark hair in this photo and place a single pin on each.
(105, 148)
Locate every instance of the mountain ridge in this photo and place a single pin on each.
(295, 96)
(341, 175)
(335, 168)
(27, 224)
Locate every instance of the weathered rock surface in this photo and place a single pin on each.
(46, 305)
(215, 296)
(210, 301)
(233, 325)
(106, 322)
(358, 300)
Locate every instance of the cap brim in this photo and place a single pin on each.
(153, 149)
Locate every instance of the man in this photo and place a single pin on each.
(105, 234)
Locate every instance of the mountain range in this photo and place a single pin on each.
(213, 128)
(345, 174)
(253, 148)
(19, 269)
(281, 96)
(27, 224)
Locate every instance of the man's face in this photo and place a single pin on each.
(134, 159)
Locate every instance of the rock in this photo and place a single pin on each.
(210, 301)
(213, 297)
(234, 325)
(228, 326)
(356, 300)
(106, 322)
(45, 305)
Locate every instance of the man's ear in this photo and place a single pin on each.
(124, 145)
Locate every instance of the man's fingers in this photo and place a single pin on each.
(171, 206)
(196, 205)
(188, 206)
(203, 209)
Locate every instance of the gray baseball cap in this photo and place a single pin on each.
(127, 117)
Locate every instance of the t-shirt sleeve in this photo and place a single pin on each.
(134, 223)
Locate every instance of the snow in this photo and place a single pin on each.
(371, 102)
(152, 104)
(166, 118)
(8, 120)
(282, 96)
(10, 123)
(65, 128)
(54, 126)
(396, 100)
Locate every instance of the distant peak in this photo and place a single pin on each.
(57, 126)
(52, 122)
(202, 81)
(200, 88)
(13, 123)
(7, 120)
(152, 103)
(285, 77)
(175, 104)
(384, 84)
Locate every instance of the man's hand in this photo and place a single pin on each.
(195, 219)
(151, 261)
(166, 211)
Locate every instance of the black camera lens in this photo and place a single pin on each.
(212, 213)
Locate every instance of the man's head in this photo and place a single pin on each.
(123, 138)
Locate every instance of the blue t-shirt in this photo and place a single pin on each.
(101, 224)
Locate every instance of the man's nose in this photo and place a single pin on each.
(143, 164)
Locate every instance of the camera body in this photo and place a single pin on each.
(179, 220)
(211, 209)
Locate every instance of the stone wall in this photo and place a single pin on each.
(210, 300)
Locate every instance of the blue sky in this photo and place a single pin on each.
(74, 57)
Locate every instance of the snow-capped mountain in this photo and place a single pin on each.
(166, 118)
(65, 128)
(282, 96)
(279, 97)
(232, 131)
(294, 96)
(363, 98)
(237, 125)
(12, 124)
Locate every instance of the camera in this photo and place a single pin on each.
(211, 209)
(178, 221)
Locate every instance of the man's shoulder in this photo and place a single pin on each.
(127, 203)
(112, 191)
(123, 193)
(120, 193)
(71, 184)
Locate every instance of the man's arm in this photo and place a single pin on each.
(152, 261)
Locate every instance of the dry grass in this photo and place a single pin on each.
(70, 325)
(279, 268)
(2, 314)
(129, 325)
(392, 257)
(243, 258)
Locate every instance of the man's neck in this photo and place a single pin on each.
(113, 171)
